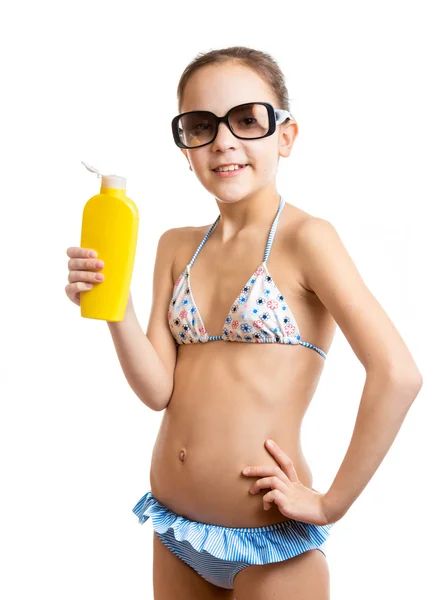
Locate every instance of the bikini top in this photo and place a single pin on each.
(258, 315)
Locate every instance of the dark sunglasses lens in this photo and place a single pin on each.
(196, 128)
(248, 121)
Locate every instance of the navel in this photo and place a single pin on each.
(182, 455)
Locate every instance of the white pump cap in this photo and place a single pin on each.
(114, 181)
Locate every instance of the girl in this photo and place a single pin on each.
(266, 275)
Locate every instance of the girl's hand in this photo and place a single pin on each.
(83, 272)
(294, 500)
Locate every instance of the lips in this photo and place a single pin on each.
(232, 173)
(229, 165)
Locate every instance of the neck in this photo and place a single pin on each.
(251, 213)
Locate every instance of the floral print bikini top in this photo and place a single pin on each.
(258, 315)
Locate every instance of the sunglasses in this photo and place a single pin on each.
(249, 121)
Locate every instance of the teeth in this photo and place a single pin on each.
(229, 168)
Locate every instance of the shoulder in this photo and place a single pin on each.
(315, 241)
(302, 228)
(302, 224)
(315, 230)
(179, 242)
(175, 237)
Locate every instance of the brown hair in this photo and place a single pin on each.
(260, 62)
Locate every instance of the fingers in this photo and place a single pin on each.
(282, 459)
(74, 251)
(80, 259)
(268, 482)
(73, 290)
(262, 471)
(86, 276)
(268, 473)
(82, 275)
(271, 498)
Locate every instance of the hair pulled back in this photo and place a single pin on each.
(260, 62)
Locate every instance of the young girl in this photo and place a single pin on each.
(243, 315)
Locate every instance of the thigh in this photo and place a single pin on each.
(173, 579)
(303, 577)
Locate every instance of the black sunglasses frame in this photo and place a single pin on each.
(276, 116)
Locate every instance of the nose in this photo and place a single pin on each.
(224, 139)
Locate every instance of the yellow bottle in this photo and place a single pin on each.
(110, 225)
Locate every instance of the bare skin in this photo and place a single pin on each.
(230, 397)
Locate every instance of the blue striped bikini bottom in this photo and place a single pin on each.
(218, 553)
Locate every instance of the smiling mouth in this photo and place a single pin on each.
(229, 170)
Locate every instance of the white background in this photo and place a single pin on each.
(96, 81)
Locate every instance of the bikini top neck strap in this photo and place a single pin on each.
(273, 229)
(211, 228)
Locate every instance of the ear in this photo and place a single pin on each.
(288, 133)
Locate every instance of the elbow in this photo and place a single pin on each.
(407, 377)
(412, 380)
(160, 397)
(419, 381)
(408, 381)
(162, 406)
(412, 384)
(156, 405)
(161, 402)
(412, 387)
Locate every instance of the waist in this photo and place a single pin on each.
(199, 455)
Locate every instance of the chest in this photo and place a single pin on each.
(218, 279)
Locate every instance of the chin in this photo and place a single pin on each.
(231, 197)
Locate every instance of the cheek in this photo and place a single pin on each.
(265, 164)
(264, 156)
(199, 159)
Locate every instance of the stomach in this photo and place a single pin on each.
(226, 403)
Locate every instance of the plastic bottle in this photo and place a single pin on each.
(110, 226)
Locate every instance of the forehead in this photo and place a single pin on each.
(219, 87)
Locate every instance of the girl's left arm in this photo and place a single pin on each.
(392, 377)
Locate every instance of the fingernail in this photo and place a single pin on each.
(246, 470)
(92, 254)
(269, 442)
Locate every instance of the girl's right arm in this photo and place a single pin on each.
(148, 360)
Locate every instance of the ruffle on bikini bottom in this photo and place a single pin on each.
(255, 545)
